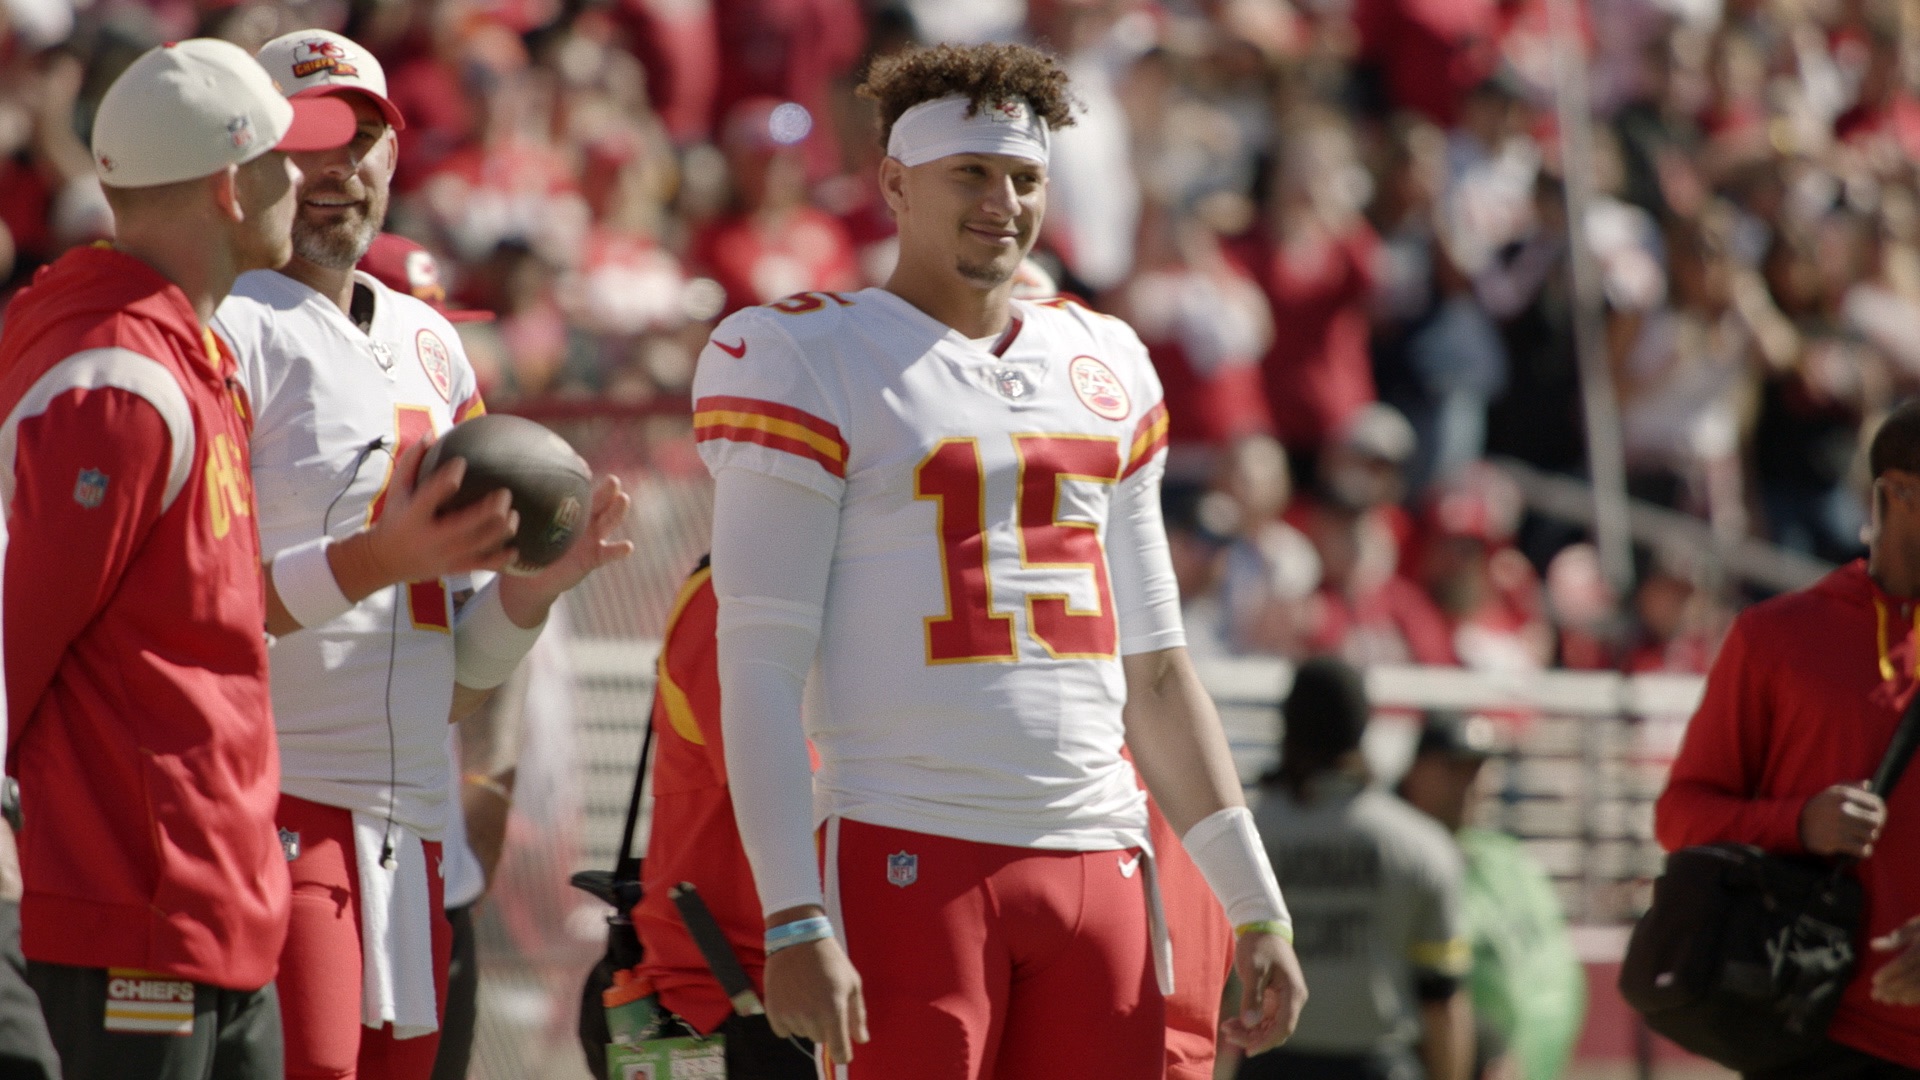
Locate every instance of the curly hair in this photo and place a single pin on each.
(985, 74)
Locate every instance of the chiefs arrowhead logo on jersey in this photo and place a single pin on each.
(321, 56)
(436, 361)
(1099, 389)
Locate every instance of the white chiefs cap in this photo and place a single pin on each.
(191, 108)
(318, 63)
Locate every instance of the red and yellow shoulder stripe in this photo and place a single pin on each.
(469, 409)
(1148, 439)
(768, 423)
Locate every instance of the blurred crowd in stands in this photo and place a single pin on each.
(1339, 225)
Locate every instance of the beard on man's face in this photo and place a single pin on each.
(339, 243)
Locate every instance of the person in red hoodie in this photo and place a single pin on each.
(693, 838)
(1799, 709)
(156, 890)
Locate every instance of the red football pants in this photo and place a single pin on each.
(319, 980)
(983, 962)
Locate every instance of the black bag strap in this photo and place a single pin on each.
(627, 866)
(1906, 739)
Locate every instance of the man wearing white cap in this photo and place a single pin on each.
(156, 893)
(350, 381)
(950, 499)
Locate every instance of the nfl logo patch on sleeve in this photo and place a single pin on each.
(903, 869)
(90, 489)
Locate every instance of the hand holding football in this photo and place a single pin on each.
(552, 488)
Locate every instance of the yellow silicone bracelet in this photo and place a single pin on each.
(1265, 926)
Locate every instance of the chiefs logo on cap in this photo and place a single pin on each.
(321, 55)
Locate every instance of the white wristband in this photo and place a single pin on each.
(304, 579)
(487, 645)
(1227, 849)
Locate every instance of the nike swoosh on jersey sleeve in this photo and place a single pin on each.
(1149, 438)
(767, 423)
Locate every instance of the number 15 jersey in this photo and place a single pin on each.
(1000, 549)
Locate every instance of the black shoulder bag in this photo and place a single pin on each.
(621, 888)
(1743, 955)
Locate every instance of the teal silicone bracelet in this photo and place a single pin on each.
(798, 932)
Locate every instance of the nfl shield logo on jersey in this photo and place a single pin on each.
(90, 488)
(903, 869)
(1012, 384)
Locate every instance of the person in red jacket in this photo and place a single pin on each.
(156, 888)
(693, 838)
(1800, 707)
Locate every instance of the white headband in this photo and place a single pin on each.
(935, 129)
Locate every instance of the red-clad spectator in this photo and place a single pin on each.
(43, 166)
(1206, 325)
(438, 84)
(1317, 266)
(789, 50)
(511, 186)
(625, 285)
(1527, 45)
(1429, 53)
(1485, 588)
(1366, 611)
(1270, 571)
(772, 244)
(625, 282)
(1886, 109)
(678, 43)
(1681, 625)
(1586, 611)
(1736, 117)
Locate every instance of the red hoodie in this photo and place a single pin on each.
(694, 838)
(1805, 694)
(136, 661)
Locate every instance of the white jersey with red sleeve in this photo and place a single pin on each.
(968, 681)
(360, 703)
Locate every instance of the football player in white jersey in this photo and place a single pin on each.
(349, 381)
(945, 504)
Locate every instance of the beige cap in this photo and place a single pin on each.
(317, 63)
(191, 108)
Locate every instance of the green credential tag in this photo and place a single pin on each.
(682, 1058)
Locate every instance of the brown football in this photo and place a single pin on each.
(552, 488)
